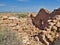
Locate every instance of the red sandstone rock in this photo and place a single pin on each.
(41, 18)
(55, 12)
(43, 15)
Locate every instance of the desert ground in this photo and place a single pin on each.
(41, 28)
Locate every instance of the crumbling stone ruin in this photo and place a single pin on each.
(49, 23)
(41, 18)
(43, 15)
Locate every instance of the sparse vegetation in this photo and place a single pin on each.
(0, 17)
(21, 15)
(57, 41)
(9, 37)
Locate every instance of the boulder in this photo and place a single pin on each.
(55, 12)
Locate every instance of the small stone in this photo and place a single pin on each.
(54, 21)
(12, 24)
(54, 28)
(12, 18)
(58, 24)
(5, 17)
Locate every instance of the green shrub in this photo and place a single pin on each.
(57, 41)
(21, 15)
(0, 17)
(9, 37)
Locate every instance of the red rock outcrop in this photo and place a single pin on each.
(40, 20)
(43, 15)
(55, 12)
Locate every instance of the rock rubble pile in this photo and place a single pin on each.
(41, 30)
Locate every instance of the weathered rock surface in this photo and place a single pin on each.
(50, 23)
(40, 20)
(55, 12)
